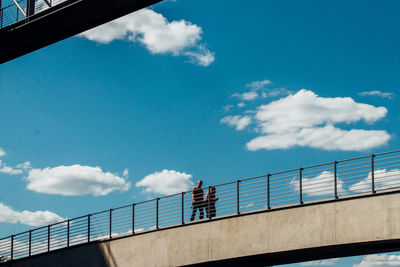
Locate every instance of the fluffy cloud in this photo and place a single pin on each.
(327, 138)
(307, 120)
(379, 260)
(237, 121)
(157, 34)
(322, 184)
(32, 218)
(378, 93)
(383, 180)
(327, 262)
(75, 180)
(2, 152)
(166, 182)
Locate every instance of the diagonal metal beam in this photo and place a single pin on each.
(48, 3)
(20, 8)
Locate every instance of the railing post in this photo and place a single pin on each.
(68, 231)
(30, 243)
(157, 203)
(209, 204)
(48, 238)
(12, 247)
(268, 192)
(183, 207)
(237, 198)
(335, 178)
(88, 228)
(110, 224)
(30, 8)
(1, 16)
(373, 174)
(133, 218)
(301, 184)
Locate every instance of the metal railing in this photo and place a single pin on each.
(12, 12)
(328, 181)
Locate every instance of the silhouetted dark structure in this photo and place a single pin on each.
(28, 25)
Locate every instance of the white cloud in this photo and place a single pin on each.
(256, 85)
(383, 179)
(125, 174)
(237, 121)
(241, 105)
(2, 152)
(326, 138)
(227, 107)
(379, 260)
(306, 109)
(322, 184)
(24, 166)
(202, 56)
(8, 170)
(307, 120)
(378, 93)
(275, 92)
(32, 218)
(75, 180)
(327, 262)
(247, 96)
(166, 182)
(158, 35)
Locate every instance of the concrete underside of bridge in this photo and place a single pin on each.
(60, 22)
(349, 227)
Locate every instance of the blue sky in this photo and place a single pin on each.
(200, 89)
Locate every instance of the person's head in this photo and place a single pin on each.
(213, 189)
(199, 183)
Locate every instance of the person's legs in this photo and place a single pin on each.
(201, 212)
(213, 211)
(195, 206)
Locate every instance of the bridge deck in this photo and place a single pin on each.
(355, 226)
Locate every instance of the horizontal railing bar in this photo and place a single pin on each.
(319, 170)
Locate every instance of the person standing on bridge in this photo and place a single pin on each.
(210, 202)
(197, 201)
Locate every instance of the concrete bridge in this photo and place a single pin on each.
(355, 225)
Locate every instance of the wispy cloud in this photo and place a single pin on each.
(379, 260)
(328, 262)
(32, 218)
(259, 89)
(75, 180)
(166, 182)
(256, 85)
(157, 34)
(246, 96)
(237, 121)
(308, 120)
(378, 93)
(19, 169)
